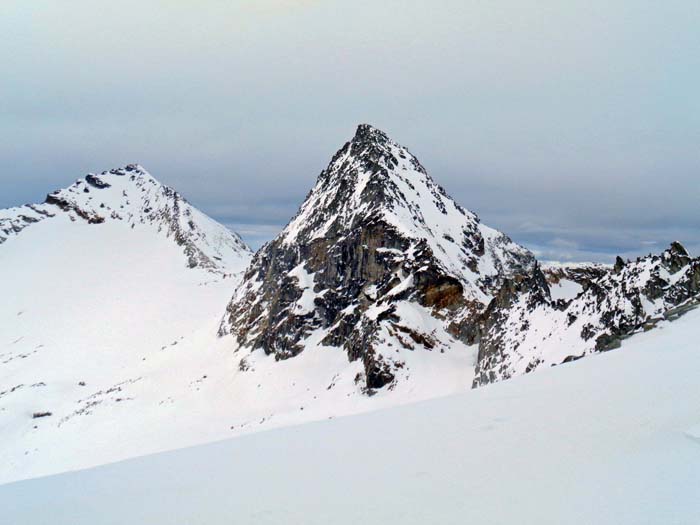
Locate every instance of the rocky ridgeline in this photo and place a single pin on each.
(379, 261)
(524, 328)
(579, 273)
(130, 194)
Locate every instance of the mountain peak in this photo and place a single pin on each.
(367, 132)
(371, 175)
(372, 153)
(113, 181)
(373, 179)
(130, 195)
(376, 249)
(95, 179)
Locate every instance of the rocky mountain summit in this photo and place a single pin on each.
(130, 194)
(379, 261)
(526, 328)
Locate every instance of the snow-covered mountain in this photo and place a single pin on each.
(132, 195)
(111, 292)
(379, 261)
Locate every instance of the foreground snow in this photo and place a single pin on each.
(105, 328)
(610, 439)
(111, 301)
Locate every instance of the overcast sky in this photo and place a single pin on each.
(573, 126)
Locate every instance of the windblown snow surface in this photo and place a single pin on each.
(612, 439)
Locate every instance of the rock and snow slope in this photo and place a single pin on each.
(612, 439)
(526, 328)
(379, 262)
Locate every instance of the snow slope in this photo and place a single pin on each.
(117, 308)
(110, 298)
(612, 439)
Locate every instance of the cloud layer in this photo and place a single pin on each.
(572, 126)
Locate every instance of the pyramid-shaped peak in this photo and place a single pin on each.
(373, 182)
(374, 149)
(371, 150)
(369, 178)
(375, 237)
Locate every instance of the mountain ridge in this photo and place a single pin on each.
(527, 329)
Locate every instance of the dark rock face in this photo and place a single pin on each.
(87, 215)
(524, 329)
(374, 235)
(521, 295)
(95, 181)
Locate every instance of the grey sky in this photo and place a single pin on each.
(573, 126)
